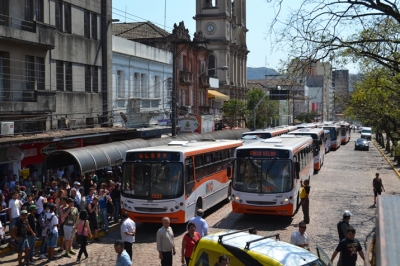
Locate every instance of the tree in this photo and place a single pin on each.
(234, 111)
(353, 29)
(307, 117)
(266, 110)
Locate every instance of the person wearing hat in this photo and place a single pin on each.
(32, 223)
(200, 223)
(78, 194)
(19, 233)
(342, 227)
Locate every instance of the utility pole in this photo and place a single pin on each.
(173, 91)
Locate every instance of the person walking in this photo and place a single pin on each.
(19, 233)
(70, 215)
(300, 238)
(42, 228)
(200, 223)
(343, 225)
(92, 209)
(128, 232)
(165, 243)
(188, 242)
(103, 200)
(378, 186)
(82, 228)
(32, 237)
(304, 200)
(122, 257)
(349, 247)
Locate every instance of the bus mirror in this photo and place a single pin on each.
(229, 171)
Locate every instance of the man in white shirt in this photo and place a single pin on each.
(128, 232)
(201, 224)
(300, 238)
(14, 210)
(165, 243)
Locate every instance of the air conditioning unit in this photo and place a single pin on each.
(7, 128)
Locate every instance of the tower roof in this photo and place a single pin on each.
(138, 30)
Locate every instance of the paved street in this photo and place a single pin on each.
(345, 182)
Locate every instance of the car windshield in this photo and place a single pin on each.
(366, 131)
(152, 180)
(263, 175)
(361, 140)
(317, 262)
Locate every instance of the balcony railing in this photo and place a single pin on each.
(204, 81)
(7, 95)
(17, 23)
(185, 77)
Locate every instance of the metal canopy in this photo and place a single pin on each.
(91, 158)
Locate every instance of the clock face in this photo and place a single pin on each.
(210, 28)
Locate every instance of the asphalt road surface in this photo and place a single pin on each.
(343, 183)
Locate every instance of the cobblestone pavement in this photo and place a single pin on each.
(344, 182)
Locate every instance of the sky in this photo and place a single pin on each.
(259, 16)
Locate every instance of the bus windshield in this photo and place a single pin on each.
(251, 175)
(152, 180)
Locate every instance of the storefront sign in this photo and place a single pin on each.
(37, 152)
(15, 154)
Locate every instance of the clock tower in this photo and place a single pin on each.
(223, 23)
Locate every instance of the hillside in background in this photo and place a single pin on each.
(259, 72)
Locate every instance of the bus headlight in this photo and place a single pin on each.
(286, 200)
(176, 207)
(237, 198)
(172, 209)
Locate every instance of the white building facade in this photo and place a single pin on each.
(141, 83)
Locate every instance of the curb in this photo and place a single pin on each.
(39, 242)
(386, 158)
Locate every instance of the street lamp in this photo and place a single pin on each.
(174, 88)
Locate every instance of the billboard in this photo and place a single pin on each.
(279, 94)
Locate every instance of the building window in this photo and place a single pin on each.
(157, 87)
(39, 10)
(120, 84)
(136, 84)
(59, 16)
(211, 66)
(68, 76)
(143, 86)
(95, 83)
(88, 78)
(86, 23)
(30, 72)
(67, 18)
(29, 10)
(60, 75)
(40, 73)
(94, 26)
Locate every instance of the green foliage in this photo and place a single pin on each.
(234, 111)
(266, 110)
(306, 117)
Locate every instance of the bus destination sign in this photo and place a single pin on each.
(262, 153)
(152, 156)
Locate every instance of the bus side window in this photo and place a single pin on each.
(217, 156)
(208, 168)
(199, 167)
(189, 176)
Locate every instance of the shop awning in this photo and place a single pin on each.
(212, 94)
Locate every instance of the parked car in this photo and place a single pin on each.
(366, 133)
(245, 249)
(361, 144)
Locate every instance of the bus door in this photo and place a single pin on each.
(189, 176)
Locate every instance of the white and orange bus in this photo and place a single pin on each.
(336, 135)
(345, 132)
(266, 175)
(317, 134)
(176, 179)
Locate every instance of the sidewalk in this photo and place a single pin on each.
(388, 158)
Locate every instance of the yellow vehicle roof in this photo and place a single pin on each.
(247, 249)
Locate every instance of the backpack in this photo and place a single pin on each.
(48, 228)
(42, 219)
(339, 229)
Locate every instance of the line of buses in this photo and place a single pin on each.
(259, 173)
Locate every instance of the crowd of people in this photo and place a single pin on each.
(63, 206)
